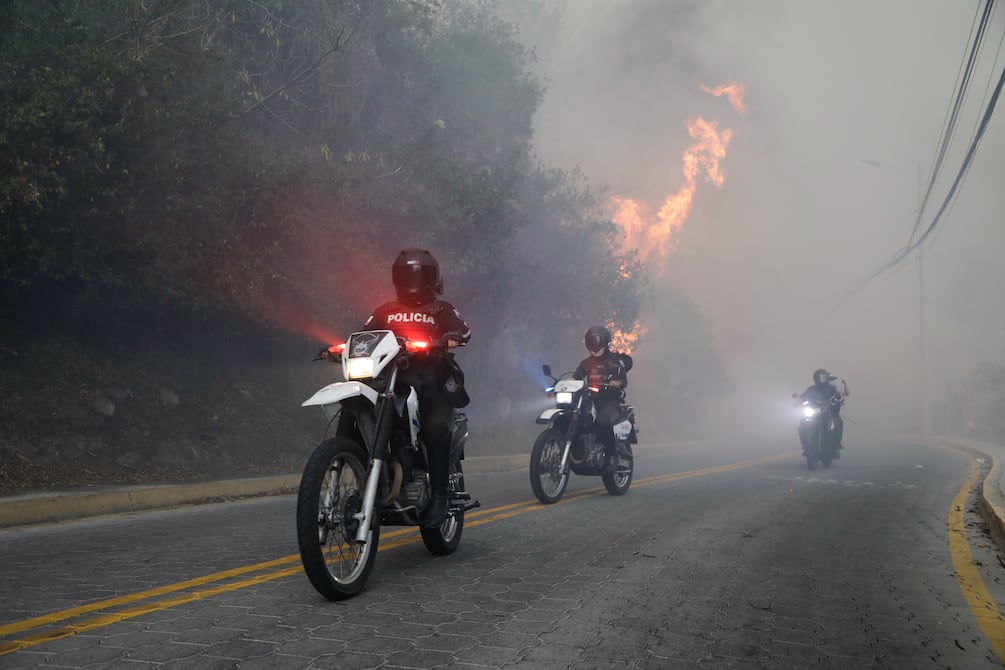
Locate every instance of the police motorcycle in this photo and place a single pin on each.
(817, 430)
(569, 442)
(373, 471)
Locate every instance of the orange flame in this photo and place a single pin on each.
(734, 92)
(625, 340)
(655, 235)
(658, 237)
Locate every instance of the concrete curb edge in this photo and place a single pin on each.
(37, 508)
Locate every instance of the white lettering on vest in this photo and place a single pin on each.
(414, 317)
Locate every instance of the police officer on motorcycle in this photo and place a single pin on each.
(825, 388)
(608, 371)
(419, 314)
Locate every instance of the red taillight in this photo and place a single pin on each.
(416, 345)
(336, 349)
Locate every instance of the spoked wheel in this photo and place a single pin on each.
(331, 494)
(444, 540)
(547, 477)
(617, 482)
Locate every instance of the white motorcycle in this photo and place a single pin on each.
(374, 471)
(569, 442)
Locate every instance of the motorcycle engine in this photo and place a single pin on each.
(581, 449)
(415, 492)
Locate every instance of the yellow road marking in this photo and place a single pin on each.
(981, 604)
(399, 537)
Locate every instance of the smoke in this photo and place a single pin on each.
(845, 101)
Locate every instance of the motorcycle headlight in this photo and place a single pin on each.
(563, 398)
(809, 411)
(359, 368)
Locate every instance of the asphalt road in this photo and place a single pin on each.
(725, 555)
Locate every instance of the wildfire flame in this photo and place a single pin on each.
(654, 235)
(733, 91)
(625, 340)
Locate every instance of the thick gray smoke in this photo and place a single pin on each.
(846, 105)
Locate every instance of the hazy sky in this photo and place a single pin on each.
(801, 218)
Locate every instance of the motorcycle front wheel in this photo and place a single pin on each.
(813, 445)
(444, 539)
(826, 451)
(547, 477)
(330, 495)
(617, 482)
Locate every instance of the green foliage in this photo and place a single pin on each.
(62, 117)
(269, 158)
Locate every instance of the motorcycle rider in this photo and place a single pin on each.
(438, 380)
(608, 371)
(825, 388)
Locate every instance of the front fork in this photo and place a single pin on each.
(385, 424)
(570, 434)
(365, 515)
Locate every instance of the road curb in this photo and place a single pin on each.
(72, 505)
(69, 505)
(990, 499)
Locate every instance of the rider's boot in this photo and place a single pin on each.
(436, 511)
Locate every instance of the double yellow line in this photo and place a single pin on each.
(54, 626)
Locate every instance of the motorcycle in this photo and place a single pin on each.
(569, 442)
(817, 430)
(374, 471)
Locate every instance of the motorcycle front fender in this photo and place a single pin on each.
(338, 392)
(549, 415)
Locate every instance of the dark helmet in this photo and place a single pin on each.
(416, 277)
(821, 376)
(596, 339)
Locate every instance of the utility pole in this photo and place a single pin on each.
(925, 402)
(926, 405)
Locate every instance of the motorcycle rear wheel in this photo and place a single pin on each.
(617, 482)
(331, 492)
(443, 540)
(547, 478)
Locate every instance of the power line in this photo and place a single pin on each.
(912, 245)
(952, 115)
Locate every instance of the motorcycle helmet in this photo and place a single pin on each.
(821, 376)
(597, 339)
(415, 274)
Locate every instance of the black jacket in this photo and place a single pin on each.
(599, 370)
(826, 392)
(429, 322)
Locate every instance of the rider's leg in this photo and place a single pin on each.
(607, 414)
(435, 413)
